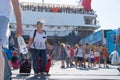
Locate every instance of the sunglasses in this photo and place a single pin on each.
(39, 23)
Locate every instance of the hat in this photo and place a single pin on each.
(40, 22)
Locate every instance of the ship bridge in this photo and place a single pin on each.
(61, 21)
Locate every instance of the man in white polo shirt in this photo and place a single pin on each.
(6, 9)
(117, 42)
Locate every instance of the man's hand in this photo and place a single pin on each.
(19, 31)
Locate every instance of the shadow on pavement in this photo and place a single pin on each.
(40, 77)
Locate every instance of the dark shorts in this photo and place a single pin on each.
(63, 56)
(92, 60)
(80, 59)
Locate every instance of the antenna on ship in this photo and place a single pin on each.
(79, 2)
(43, 2)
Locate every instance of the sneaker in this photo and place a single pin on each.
(67, 66)
(35, 75)
(80, 66)
(100, 67)
(89, 66)
(44, 73)
(118, 69)
(84, 66)
(107, 66)
(62, 66)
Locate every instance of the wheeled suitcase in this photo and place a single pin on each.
(25, 67)
(14, 62)
(47, 65)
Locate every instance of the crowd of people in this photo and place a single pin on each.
(54, 8)
(83, 56)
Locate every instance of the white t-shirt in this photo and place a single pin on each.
(68, 53)
(75, 51)
(96, 53)
(91, 54)
(79, 54)
(39, 40)
(6, 8)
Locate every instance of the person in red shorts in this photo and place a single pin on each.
(97, 55)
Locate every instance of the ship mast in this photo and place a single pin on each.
(43, 2)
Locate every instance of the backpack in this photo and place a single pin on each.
(25, 67)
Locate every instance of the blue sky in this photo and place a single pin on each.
(108, 11)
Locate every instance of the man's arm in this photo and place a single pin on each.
(117, 38)
(29, 43)
(17, 12)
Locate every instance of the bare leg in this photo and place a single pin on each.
(88, 62)
(2, 64)
(75, 61)
(63, 63)
(84, 62)
(95, 63)
(99, 64)
(105, 62)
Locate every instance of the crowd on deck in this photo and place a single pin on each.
(69, 9)
(55, 8)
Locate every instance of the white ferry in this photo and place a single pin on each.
(65, 23)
